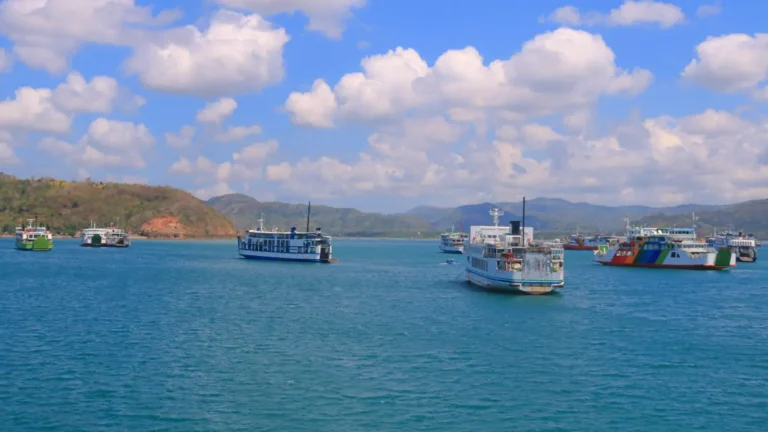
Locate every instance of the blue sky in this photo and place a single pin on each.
(629, 149)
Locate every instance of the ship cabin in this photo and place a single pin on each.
(292, 242)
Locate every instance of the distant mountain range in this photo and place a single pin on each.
(548, 216)
(244, 211)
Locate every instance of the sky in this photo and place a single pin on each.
(385, 105)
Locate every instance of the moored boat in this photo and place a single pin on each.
(286, 246)
(507, 259)
(744, 246)
(33, 238)
(453, 242)
(675, 248)
(581, 242)
(93, 236)
(116, 237)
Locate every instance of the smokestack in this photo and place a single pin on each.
(515, 227)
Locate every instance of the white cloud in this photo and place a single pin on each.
(315, 108)
(5, 61)
(181, 139)
(237, 133)
(46, 33)
(325, 16)
(84, 155)
(561, 70)
(7, 155)
(217, 189)
(730, 63)
(708, 10)
(670, 157)
(235, 54)
(255, 153)
(34, 110)
(630, 13)
(119, 135)
(78, 95)
(218, 111)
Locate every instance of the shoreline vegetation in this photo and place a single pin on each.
(166, 213)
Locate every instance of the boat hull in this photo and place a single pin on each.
(668, 266)
(512, 285)
(452, 250)
(40, 244)
(579, 247)
(722, 259)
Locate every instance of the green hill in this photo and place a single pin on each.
(68, 207)
(245, 211)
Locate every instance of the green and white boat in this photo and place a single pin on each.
(33, 238)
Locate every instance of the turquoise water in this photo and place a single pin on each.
(186, 336)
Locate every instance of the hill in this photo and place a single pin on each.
(245, 211)
(749, 217)
(552, 215)
(68, 207)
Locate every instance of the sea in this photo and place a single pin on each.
(187, 336)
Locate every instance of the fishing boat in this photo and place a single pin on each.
(506, 259)
(93, 236)
(286, 246)
(674, 248)
(453, 242)
(744, 246)
(33, 238)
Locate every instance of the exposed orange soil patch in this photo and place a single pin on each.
(164, 226)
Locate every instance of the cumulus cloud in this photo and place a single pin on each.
(216, 112)
(235, 54)
(325, 16)
(561, 70)
(118, 135)
(78, 95)
(708, 10)
(631, 12)
(659, 160)
(5, 61)
(181, 139)
(730, 63)
(217, 189)
(237, 133)
(83, 155)
(7, 154)
(34, 110)
(46, 33)
(246, 164)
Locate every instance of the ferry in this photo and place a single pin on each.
(506, 259)
(33, 238)
(92, 236)
(286, 246)
(675, 248)
(580, 242)
(744, 246)
(453, 242)
(104, 237)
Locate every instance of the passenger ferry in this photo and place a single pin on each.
(675, 248)
(286, 246)
(580, 242)
(453, 242)
(117, 238)
(506, 259)
(744, 246)
(33, 238)
(92, 236)
(104, 237)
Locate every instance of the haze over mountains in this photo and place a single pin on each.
(546, 215)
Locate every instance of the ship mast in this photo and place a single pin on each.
(261, 222)
(495, 213)
(309, 207)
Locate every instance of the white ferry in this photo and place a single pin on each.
(506, 259)
(104, 237)
(453, 242)
(745, 247)
(93, 237)
(286, 246)
(117, 238)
